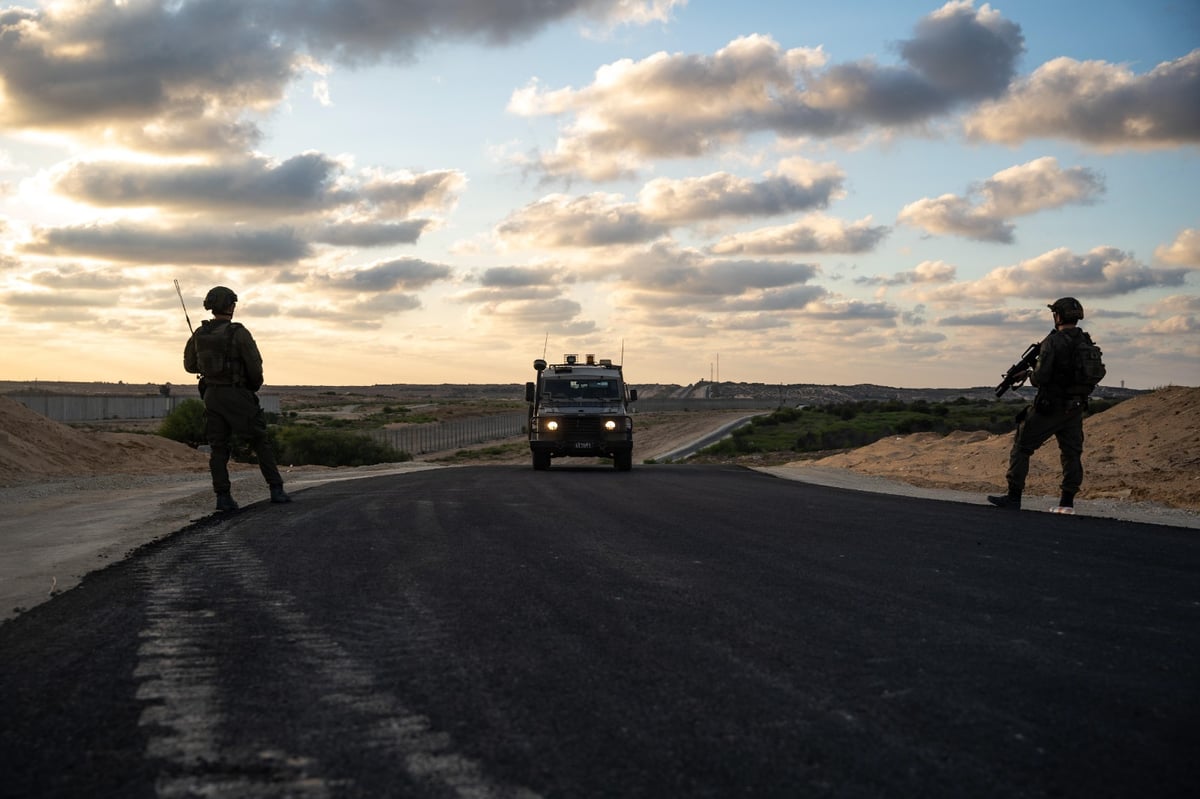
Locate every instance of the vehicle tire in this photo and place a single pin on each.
(623, 461)
(541, 461)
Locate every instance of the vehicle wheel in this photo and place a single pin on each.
(623, 461)
(541, 461)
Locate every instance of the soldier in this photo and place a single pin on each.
(1063, 388)
(225, 356)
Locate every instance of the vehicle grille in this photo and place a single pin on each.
(582, 428)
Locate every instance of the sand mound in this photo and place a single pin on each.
(1146, 448)
(33, 447)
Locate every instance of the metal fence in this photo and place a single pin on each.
(419, 439)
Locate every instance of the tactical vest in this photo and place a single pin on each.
(216, 354)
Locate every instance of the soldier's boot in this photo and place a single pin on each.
(225, 502)
(1066, 503)
(278, 495)
(1006, 501)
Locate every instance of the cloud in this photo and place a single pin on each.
(799, 185)
(996, 317)
(681, 105)
(404, 273)
(185, 77)
(502, 283)
(118, 72)
(559, 313)
(1017, 191)
(1174, 325)
(255, 185)
(813, 234)
(371, 234)
(1100, 272)
(326, 204)
(667, 279)
(1184, 251)
(1097, 103)
(131, 243)
(594, 220)
(924, 272)
(357, 31)
(606, 220)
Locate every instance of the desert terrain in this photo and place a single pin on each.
(77, 499)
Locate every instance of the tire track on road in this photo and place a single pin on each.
(180, 661)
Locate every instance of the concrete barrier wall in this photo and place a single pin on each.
(92, 408)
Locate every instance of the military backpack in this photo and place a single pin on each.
(1087, 365)
(215, 353)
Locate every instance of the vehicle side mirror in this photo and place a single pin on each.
(633, 395)
(529, 392)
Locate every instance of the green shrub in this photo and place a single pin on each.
(185, 423)
(302, 444)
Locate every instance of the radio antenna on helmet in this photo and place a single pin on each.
(179, 291)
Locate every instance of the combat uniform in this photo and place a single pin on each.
(1057, 411)
(231, 407)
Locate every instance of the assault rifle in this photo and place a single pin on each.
(1018, 373)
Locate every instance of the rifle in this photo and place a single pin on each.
(1018, 373)
(201, 385)
(179, 291)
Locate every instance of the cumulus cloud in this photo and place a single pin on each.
(310, 183)
(405, 273)
(1100, 272)
(1097, 103)
(594, 220)
(605, 220)
(323, 201)
(371, 234)
(116, 71)
(689, 105)
(367, 30)
(165, 76)
(798, 185)
(671, 280)
(813, 234)
(506, 283)
(924, 272)
(140, 244)
(1017, 191)
(1184, 251)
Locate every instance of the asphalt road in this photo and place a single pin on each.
(675, 631)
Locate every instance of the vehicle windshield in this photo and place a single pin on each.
(599, 389)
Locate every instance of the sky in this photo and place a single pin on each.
(441, 191)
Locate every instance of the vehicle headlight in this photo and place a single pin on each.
(551, 425)
(610, 425)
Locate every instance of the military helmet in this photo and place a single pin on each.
(1068, 309)
(219, 299)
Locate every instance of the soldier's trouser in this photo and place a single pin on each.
(1064, 421)
(229, 411)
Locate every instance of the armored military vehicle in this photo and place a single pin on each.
(580, 409)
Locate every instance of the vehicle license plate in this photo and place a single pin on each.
(583, 445)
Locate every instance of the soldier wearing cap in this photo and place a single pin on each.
(1057, 411)
(225, 356)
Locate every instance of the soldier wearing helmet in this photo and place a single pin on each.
(225, 356)
(1057, 410)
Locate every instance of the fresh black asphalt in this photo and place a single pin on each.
(674, 631)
